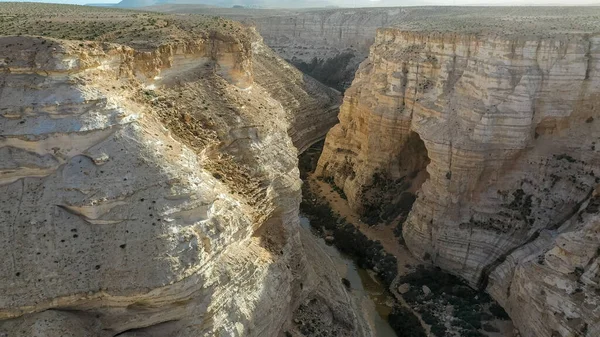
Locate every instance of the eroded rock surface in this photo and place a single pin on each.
(328, 44)
(496, 133)
(154, 191)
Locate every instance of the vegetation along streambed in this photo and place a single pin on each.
(420, 299)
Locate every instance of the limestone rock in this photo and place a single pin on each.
(51, 323)
(426, 290)
(329, 44)
(314, 105)
(403, 288)
(326, 43)
(496, 134)
(154, 192)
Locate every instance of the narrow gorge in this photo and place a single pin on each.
(156, 168)
(505, 128)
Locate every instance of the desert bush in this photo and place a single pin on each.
(405, 323)
(490, 328)
(439, 330)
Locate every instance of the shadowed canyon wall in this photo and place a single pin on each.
(327, 44)
(509, 199)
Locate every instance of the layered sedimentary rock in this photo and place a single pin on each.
(328, 44)
(497, 134)
(155, 191)
(314, 105)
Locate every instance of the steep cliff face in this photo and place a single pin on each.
(497, 136)
(154, 191)
(328, 44)
(314, 105)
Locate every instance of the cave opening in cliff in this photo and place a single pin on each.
(392, 193)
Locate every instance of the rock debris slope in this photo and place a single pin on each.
(498, 133)
(154, 191)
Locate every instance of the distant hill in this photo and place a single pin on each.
(102, 4)
(296, 4)
(225, 3)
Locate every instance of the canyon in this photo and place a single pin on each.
(326, 44)
(486, 119)
(150, 181)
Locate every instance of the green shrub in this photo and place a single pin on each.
(405, 323)
(429, 318)
(490, 328)
(439, 330)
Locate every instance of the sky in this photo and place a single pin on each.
(376, 3)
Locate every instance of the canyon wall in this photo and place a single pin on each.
(328, 44)
(155, 192)
(496, 133)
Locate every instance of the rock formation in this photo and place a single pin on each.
(154, 191)
(496, 133)
(328, 44)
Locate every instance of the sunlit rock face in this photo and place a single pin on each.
(155, 192)
(506, 129)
